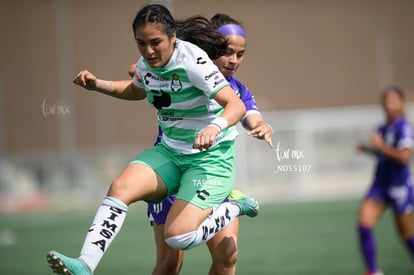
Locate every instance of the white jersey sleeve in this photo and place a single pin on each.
(203, 73)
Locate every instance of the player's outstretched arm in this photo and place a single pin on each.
(365, 148)
(123, 89)
(402, 155)
(259, 128)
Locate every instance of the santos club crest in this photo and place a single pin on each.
(176, 84)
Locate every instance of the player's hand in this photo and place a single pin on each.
(360, 147)
(86, 80)
(205, 138)
(365, 148)
(263, 131)
(377, 141)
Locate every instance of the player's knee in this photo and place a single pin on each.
(226, 258)
(182, 241)
(116, 186)
(233, 258)
(167, 266)
(119, 189)
(229, 260)
(169, 262)
(224, 265)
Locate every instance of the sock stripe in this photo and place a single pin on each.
(192, 242)
(116, 203)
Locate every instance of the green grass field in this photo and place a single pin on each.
(315, 238)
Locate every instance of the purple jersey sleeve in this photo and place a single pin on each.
(245, 95)
(405, 138)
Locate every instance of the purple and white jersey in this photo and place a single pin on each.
(398, 134)
(392, 183)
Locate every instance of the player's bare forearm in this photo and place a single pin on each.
(233, 112)
(400, 155)
(259, 128)
(123, 89)
(234, 108)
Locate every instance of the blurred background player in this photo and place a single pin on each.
(392, 185)
(223, 247)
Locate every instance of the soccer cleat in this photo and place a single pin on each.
(379, 272)
(63, 265)
(248, 206)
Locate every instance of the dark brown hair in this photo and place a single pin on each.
(196, 29)
(394, 88)
(221, 19)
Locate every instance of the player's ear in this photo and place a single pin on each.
(174, 38)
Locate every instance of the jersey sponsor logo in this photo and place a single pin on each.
(162, 82)
(146, 77)
(160, 99)
(216, 83)
(176, 84)
(202, 194)
(168, 116)
(207, 77)
(201, 61)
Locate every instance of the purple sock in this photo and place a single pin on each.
(410, 245)
(367, 247)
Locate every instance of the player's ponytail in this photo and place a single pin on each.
(199, 31)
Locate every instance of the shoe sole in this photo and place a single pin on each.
(57, 265)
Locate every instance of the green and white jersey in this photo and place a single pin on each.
(182, 92)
